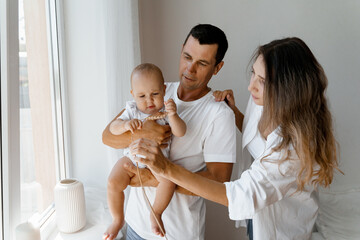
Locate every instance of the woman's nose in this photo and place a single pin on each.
(251, 86)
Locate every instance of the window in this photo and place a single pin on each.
(41, 138)
(32, 134)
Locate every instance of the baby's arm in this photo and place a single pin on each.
(120, 126)
(178, 126)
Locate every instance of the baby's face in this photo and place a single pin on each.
(148, 92)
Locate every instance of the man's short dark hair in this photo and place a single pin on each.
(209, 34)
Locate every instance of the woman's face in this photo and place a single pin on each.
(257, 81)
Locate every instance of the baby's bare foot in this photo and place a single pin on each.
(113, 229)
(154, 226)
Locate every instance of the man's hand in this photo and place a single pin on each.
(147, 177)
(151, 130)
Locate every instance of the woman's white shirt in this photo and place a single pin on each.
(251, 137)
(265, 192)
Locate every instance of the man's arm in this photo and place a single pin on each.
(116, 141)
(220, 172)
(150, 129)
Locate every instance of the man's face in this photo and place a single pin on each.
(197, 64)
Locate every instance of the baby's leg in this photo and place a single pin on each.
(164, 193)
(118, 180)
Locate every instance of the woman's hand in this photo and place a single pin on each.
(227, 96)
(154, 158)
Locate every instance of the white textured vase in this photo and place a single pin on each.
(70, 205)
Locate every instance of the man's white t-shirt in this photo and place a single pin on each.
(210, 137)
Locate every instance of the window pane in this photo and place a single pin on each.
(37, 144)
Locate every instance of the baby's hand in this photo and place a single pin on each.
(170, 107)
(133, 124)
(226, 95)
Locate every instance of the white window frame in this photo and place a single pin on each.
(57, 71)
(10, 127)
(10, 132)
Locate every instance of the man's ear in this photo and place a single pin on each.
(218, 67)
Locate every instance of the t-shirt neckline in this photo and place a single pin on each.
(189, 102)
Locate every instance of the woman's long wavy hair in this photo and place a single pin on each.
(294, 100)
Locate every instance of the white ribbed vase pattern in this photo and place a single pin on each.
(70, 205)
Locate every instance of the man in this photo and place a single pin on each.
(208, 147)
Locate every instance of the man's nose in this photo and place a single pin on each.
(191, 67)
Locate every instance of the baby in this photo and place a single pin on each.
(148, 91)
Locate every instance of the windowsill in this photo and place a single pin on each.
(89, 232)
(98, 219)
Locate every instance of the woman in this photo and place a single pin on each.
(290, 138)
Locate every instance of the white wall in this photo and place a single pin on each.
(329, 27)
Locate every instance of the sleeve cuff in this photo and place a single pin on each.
(225, 158)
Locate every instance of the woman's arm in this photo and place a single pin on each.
(228, 97)
(149, 180)
(199, 185)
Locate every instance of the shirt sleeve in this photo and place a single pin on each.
(265, 183)
(128, 113)
(220, 143)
